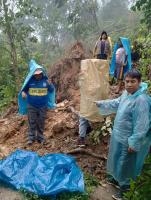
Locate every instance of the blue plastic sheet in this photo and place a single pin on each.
(43, 175)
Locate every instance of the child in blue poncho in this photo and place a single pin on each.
(36, 94)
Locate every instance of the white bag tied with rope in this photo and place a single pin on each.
(94, 86)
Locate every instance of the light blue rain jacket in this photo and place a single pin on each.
(22, 103)
(131, 129)
(127, 47)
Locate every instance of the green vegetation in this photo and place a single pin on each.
(103, 129)
(141, 189)
(145, 7)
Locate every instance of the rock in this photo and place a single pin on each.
(103, 192)
(58, 127)
(4, 151)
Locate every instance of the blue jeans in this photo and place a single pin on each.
(84, 125)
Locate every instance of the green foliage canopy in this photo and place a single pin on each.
(145, 7)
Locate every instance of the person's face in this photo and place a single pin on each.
(38, 76)
(131, 84)
(104, 36)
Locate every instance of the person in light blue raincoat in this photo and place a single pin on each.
(35, 96)
(131, 135)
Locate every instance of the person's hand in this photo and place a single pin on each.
(130, 150)
(24, 95)
(24, 117)
(98, 103)
(49, 81)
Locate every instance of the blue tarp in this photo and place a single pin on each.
(43, 175)
(22, 103)
(127, 47)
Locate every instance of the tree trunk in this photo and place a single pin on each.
(10, 36)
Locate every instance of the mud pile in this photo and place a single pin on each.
(65, 74)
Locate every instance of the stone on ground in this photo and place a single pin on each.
(103, 193)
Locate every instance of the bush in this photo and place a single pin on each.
(141, 189)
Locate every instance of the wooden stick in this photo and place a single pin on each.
(121, 72)
(84, 151)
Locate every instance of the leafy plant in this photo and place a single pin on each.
(103, 129)
(145, 61)
(141, 189)
(145, 6)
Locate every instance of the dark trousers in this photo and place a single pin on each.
(102, 56)
(118, 73)
(36, 120)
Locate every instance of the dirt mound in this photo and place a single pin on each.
(61, 132)
(65, 74)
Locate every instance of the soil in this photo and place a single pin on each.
(100, 193)
(103, 192)
(9, 194)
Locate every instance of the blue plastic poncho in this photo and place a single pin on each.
(43, 175)
(131, 129)
(22, 103)
(127, 47)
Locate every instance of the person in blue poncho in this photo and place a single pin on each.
(131, 136)
(36, 96)
(121, 60)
